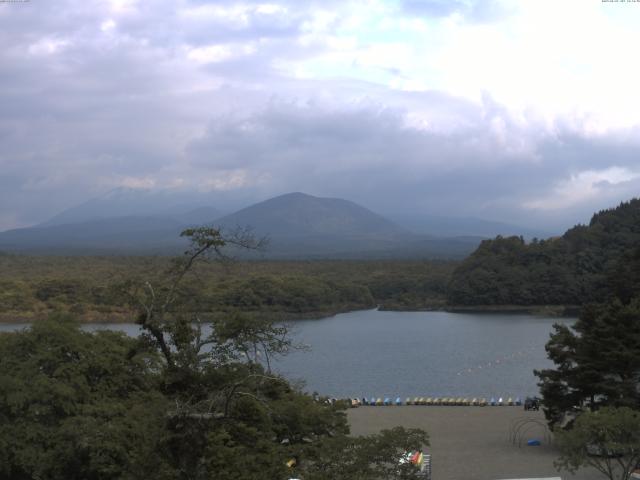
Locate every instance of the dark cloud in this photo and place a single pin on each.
(94, 98)
(374, 156)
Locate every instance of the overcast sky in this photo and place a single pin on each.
(521, 111)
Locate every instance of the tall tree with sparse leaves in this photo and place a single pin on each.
(188, 399)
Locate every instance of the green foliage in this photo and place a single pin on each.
(179, 402)
(374, 457)
(597, 361)
(574, 269)
(607, 440)
(92, 288)
(75, 405)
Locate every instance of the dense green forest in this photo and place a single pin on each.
(93, 288)
(577, 268)
(175, 402)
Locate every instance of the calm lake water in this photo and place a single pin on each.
(373, 353)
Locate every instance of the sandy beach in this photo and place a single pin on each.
(472, 443)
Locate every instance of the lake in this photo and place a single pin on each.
(375, 353)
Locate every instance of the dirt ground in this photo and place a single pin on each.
(472, 443)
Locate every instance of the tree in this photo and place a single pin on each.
(366, 458)
(75, 405)
(577, 268)
(228, 404)
(597, 361)
(185, 400)
(607, 440)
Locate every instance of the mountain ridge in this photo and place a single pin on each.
(302, 214)
(298, 225)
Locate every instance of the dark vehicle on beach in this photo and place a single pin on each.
(532, 403)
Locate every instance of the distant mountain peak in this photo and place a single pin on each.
(141, 202)
(299, 226)
(299, 214)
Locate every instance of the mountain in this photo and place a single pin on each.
(301, 225)
(297, 225)
(581, 266)
(198, 216)
(136, 202)
(465, 226)
(121, 235)
(298, 214)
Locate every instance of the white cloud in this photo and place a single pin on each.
(227, 180)
(219, 52)
(456, 106)
(143, 183)
(122, 6)
(107, 25)
(570, 58)
(48, 46)
(270, 9)
(582, 187)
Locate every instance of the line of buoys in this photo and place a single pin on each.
(447, 401)
(497, 362)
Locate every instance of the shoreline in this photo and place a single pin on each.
(560, 311)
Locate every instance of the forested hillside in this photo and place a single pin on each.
(93, 288)
(577, 268)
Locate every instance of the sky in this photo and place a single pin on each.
(525, 112)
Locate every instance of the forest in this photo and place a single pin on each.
(175, 402)
(94, 288)
(584, 265)
(577, 268)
